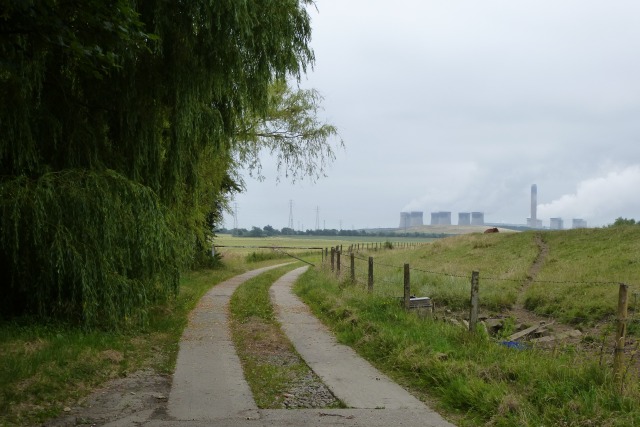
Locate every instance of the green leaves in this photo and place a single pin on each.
(88, 246)
(118, 130)
(290, 130)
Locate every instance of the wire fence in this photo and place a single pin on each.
(388, 278)
(452, 290)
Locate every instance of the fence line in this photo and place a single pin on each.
(596, 282)
(622, 319)
(400, 268)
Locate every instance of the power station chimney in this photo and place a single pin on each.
(534, 204)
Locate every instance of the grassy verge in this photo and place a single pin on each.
(271, 365)
(48, 367)
(477, 381)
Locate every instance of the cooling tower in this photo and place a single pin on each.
(578, 223)
(477, 218)
(464, 218)
(556, 223)
(440, 218)
(405, 220)
(416, 219)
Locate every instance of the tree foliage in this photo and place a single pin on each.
(623, 222)
(291, 131)
(119, 135)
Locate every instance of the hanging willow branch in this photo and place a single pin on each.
(86, 245)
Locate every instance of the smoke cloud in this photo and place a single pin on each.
(599, 200)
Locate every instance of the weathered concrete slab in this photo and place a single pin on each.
(208, 382)
(351, 378)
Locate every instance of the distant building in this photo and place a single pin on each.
(578, 223)
(416, 219)
(534, 204)
(534, 223)
(440, 218)
(464, 218)
(556, 224)
(477, 218)
(405, 220)
(411, 219)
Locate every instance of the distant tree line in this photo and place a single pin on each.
(624, 221)
(268, 231)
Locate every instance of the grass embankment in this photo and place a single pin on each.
(475, 378)
(48, 367)
(576, 282)
(271, 365)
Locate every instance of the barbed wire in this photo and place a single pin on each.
(528, 280)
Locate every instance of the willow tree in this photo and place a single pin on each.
(119, 132)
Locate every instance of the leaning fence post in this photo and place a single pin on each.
(473, 314)
(618, 359)
(353, 267)
(407, 287)
(370, 282)
(338, 261)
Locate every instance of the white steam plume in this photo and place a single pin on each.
(599, 200)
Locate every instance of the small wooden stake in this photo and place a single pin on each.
(407, 287)
(353, 267)
(618, 358)
(370, 282)
(333, 258)
(473, 314)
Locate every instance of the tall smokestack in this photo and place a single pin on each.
(534, 205)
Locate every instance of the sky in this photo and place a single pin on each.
(461, 106)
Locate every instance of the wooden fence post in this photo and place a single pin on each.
(338, 261)
(473, 314)
(370, 281)
(333, 257)
(618, 358)
(407, 287)
(353, 267)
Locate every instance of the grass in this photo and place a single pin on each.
(562, 287)
(48, 367)
(476, 380)
(609, 255)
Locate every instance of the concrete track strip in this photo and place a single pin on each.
(351, 378)
(208, 382)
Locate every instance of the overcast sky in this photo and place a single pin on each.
(462, 105)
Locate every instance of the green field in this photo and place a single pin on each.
(577, 279)
(471, 377)
(261, 248)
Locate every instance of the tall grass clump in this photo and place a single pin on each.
(470, 376)
(264, 256)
